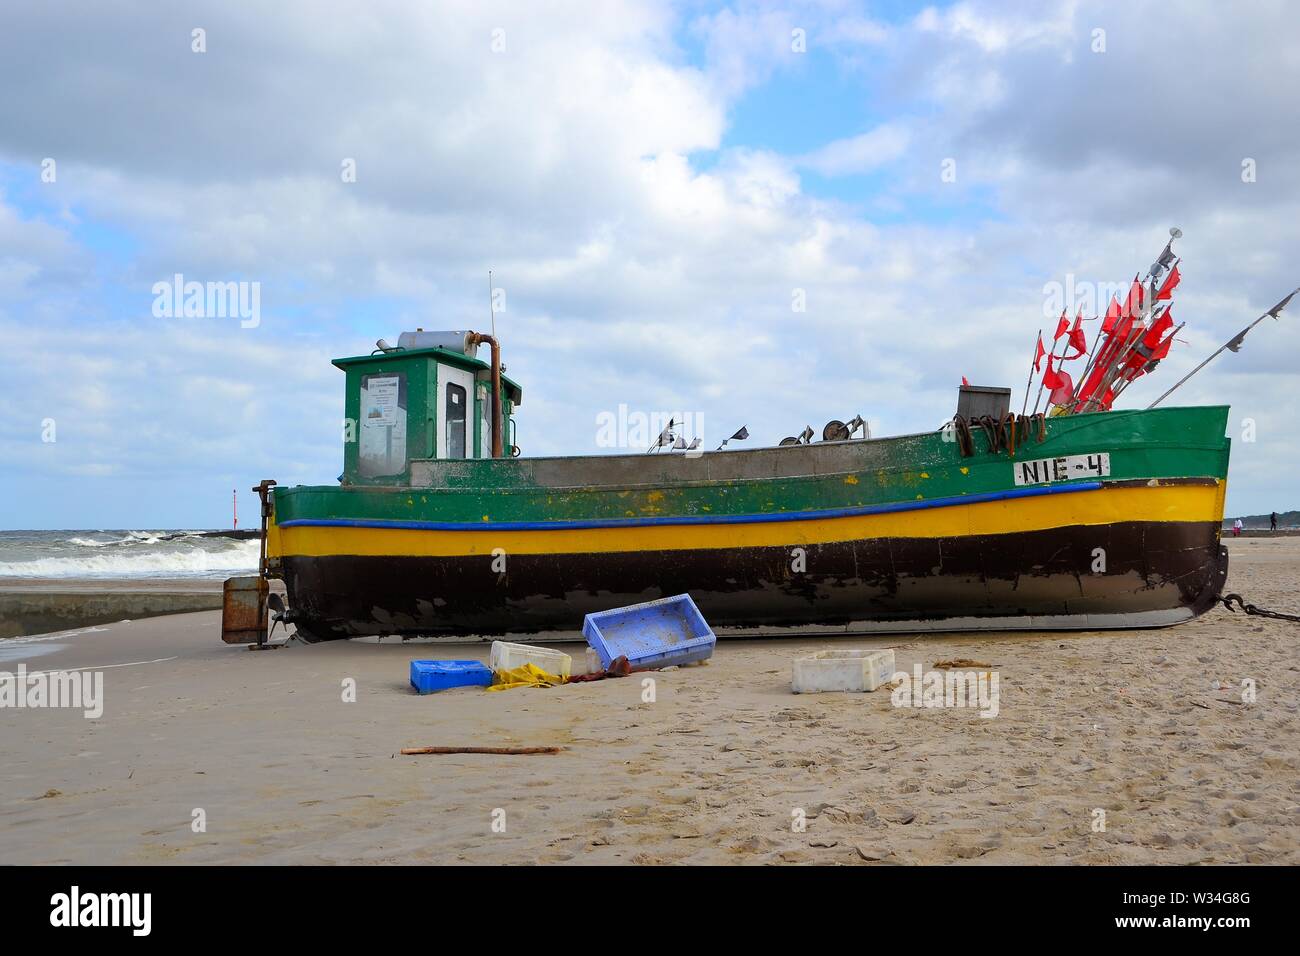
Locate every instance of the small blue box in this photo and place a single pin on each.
(654, 634)
(428, 677)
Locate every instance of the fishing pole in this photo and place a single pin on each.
(1030, 383)
(1234, 343)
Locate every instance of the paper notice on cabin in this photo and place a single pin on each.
(379, 401)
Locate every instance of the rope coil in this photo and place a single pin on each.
(1005, 432)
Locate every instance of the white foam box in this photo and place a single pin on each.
(842, 670)
(506, 656)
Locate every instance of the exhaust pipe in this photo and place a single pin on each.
(479, 338)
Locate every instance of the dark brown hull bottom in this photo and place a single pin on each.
(1156, 574)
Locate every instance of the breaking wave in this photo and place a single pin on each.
(141, 554)
(132, 537)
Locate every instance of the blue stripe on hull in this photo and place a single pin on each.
(578, 524)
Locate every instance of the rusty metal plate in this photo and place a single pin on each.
(243, 610)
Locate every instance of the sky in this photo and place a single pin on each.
(770, 215)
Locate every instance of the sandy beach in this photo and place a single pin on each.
(1148, 726)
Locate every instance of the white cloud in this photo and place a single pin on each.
(860, 154)
(996, 30)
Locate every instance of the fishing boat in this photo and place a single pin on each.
(438, 526)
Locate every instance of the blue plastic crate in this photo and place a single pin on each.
(654, 634)
(427, 677)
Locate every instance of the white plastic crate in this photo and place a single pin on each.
(506, 656)
(842, 670)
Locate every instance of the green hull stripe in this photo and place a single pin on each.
(690, 519)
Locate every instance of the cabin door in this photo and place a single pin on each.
(455, 413)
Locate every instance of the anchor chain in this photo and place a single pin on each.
(1228, 600)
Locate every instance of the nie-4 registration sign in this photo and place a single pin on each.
(1069, 467)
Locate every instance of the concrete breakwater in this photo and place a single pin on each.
(33, 608)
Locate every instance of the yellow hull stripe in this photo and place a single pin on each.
(1184, 503)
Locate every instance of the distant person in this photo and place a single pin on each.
(1236, 528)
(1272, 521)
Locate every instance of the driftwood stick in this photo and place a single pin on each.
(406, 751)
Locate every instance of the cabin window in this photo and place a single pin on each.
(456, 421)
(382, 438)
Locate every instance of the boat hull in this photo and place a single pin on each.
(1157, 573)
(907, 534)
(1051, 561)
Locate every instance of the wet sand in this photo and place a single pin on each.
(1149, 726)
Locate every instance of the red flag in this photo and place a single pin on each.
(1078, 339)
(1143, 349)
(1152, 338)
(963, 380)
(1171, 283)
(1039, 352)
(1112, 316)
(1124, 328)
(1161, 350)
(1133, 304)
(1157, 356)
(1094, 377)
(1106, 356)
(1063, 391)
(1059, 385)
(1052, 378)
(1062, 326)
(1118, 329)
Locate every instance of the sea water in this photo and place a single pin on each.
(127, 554)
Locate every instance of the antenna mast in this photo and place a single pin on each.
(492, 307)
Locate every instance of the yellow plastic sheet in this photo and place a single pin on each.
(529, 675)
